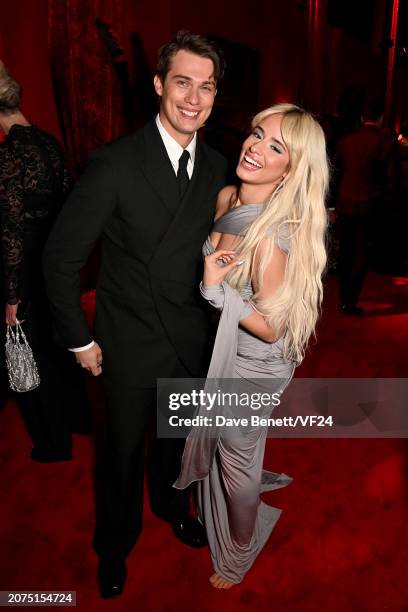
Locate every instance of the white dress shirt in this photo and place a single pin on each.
(174, 151)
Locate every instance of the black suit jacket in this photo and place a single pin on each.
(149, 316)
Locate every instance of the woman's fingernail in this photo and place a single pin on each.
(239, 263)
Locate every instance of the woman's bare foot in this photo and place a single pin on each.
(219, 582)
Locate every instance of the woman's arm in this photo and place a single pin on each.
(273, 277)
(214, 275)
(224, 200)
(12, 219)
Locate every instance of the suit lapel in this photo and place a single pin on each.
(200, 185)
(158, 170)
(194, 202)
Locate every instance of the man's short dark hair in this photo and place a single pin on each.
(193, 43)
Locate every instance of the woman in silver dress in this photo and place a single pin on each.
(263, 265)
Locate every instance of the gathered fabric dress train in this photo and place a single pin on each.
(228, 470)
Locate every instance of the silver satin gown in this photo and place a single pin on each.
(229, 470)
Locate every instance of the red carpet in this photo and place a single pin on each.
(340, 544)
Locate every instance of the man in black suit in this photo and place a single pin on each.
(151, 197)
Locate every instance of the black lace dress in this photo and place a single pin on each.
(33, 184)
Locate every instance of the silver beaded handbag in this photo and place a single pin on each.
(21, 366)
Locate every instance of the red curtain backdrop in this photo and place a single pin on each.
(86, 86)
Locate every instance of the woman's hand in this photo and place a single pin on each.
(11, 314)
(217, 265)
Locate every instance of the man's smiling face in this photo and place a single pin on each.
(187, 95)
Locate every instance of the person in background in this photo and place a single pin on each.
(33, 184)
(361, 161)
(402, 257)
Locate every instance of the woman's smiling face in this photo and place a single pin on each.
(264, 156)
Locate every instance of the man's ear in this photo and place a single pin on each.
(158, 85)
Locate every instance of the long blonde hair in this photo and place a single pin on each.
(295, 212)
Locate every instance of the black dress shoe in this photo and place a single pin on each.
(190, 531)
(112, 575)
(352, 309)
(46, 456)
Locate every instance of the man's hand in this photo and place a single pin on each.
(11, 314)
(91, 359)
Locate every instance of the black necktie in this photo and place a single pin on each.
(182, 175)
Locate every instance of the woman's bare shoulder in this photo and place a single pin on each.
(226, 198)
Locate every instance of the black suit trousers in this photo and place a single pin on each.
(131, 414)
